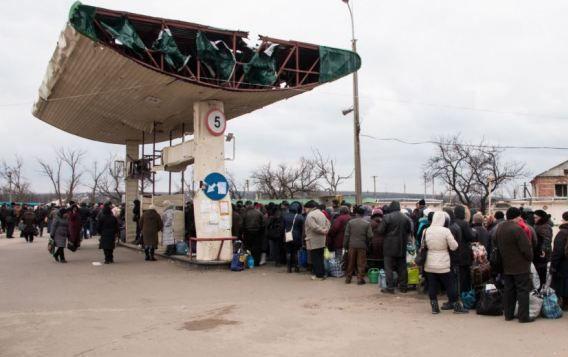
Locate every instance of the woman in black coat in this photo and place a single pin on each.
(543, 247)
(108, 228)
(559, 263)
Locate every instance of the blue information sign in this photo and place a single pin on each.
(215, 186)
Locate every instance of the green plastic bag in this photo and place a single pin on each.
(125, 35)
(168, 46)
(217, 57)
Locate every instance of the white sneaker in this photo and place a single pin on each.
(262, 259)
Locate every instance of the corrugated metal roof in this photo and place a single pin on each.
(94, 92)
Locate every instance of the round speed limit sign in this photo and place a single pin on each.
(216, 122)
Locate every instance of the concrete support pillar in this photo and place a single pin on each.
(209, 154)
(130, 189)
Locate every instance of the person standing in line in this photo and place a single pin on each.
(543, 247)
(275, 232)
(358, 234)
(294, 223)
(3, 213)
(151, 224)
(29, 224)
(253, 231)
(60, 234)
(84, 213)
(559, 263)
(316, 227)
(516, 256)
(136, 219)
(41, 218)
(336, 234)
(396, 229)
(74, 226)
(464, 252)
(109, 229)
(481, 232)
(439, 241)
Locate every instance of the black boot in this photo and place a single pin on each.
(152, 258)
(147, 252)
(447, 306)
(435, 307)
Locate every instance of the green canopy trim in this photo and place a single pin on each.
(172, 55)
(125, 35)
(82, 18)
(217, 57)
(261, 70)
(336, 63)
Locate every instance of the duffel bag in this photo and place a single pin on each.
(490, 301)
(480, 274)
(535, 305)
(550, 307)
(468, 299)
(335, 268)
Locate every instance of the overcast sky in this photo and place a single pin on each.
(419, 59)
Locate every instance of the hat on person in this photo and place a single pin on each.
(565, 216)
(477, 218)
(377, 211)
(311, 204)
(542, 214)
(513, 212)
(422, 202)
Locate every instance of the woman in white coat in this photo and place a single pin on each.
(439, 241)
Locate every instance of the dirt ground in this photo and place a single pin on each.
(137, 308)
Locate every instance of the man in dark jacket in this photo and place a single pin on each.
(85, 213)
(464, 252)
(396, 228)
(516, 256)
(11, 220)
(358, 234)
(41, 218)
(253, 231)
(336, 234)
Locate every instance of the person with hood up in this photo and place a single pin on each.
(108, 228)
(396, 229)
(559, 263)
(543, 246)
(464, 252)
(150, 224)
(60, 234)
(294, 223)
(336, 233)
(358, 234)
(75, 227)
(376, 245)
(168, 239)
(316, 227)
(438, 240)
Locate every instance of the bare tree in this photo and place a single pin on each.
(72, 159)
(111, 183)
(14, 183)
(53, 173)
(472, 171)
(96, 174)
(285, 181)
(233, 187)
(328, 171)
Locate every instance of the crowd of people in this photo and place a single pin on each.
(517, 244)
(447, 245)
(67, 225)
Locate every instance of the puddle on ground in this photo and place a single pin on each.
(207, 324)
(216, 319)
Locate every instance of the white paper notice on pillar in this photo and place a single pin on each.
(216, 122)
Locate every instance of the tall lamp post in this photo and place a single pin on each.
(356, 126)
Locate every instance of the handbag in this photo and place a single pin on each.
(51, 246)
(289, 235)
(422, 254)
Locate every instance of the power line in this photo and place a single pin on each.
(433, 142)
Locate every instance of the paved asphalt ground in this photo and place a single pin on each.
(137, 308)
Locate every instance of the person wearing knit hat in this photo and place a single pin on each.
(559, 263)
(482, 233)
(543, 247)
(516, 257)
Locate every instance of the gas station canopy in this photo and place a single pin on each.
(115, 75)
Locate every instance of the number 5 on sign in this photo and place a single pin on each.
(216, 122)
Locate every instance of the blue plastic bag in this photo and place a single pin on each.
(468, 299)
(238, 263)
(303, 258)
(550, 307)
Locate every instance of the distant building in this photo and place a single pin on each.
(552, 183)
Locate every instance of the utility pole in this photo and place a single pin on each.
(374, 186)
(247, 186)
(490, 183)
(425, 182)
(356, 126)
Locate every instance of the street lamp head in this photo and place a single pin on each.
(345, 1)
(346, 111)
